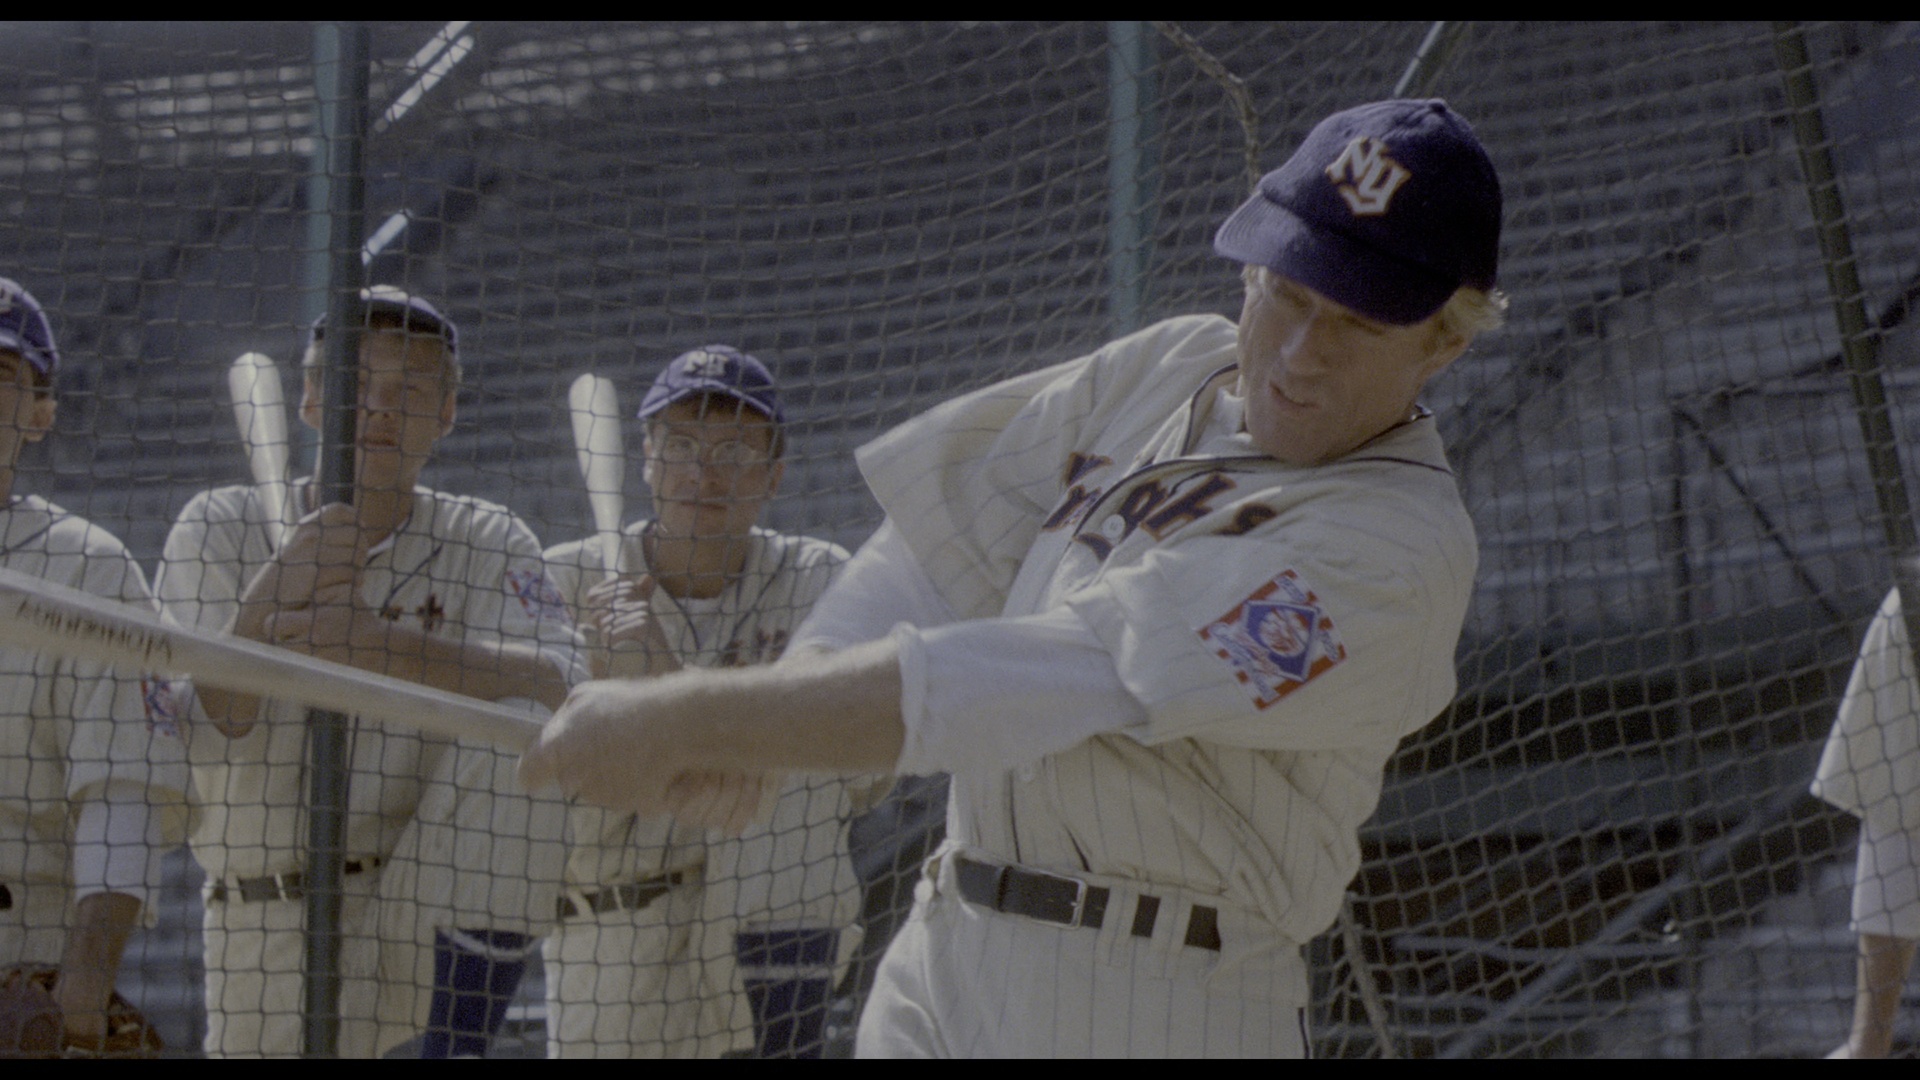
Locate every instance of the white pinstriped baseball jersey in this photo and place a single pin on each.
(73, 729)
(668, 981)
(748, 624)
(460, 567)
(1870, 768)
(1283, 627)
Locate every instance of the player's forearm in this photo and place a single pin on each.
(1879, 976)
(96, 941)
(231, 713)
(837, 713)
(633, 660)
(488, 670)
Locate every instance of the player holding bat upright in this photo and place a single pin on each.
(92, 779)
(450, 871)
(1164, 612)
(673, 942)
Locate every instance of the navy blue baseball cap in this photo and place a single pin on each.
(24, 328)
(415, 314)
(715, 369)
(1386, 208)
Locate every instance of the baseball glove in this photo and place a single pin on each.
(31, 1025)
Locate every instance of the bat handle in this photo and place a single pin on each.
(279, 499)
(614, 551)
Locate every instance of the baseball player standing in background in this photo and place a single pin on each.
(1164, 612)
(1871, 769)
(92, 774)
(673, 942)
(450, 870)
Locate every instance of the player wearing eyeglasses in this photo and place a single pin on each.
(675, 942)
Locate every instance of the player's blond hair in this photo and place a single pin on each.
(1471, 311)
(1467, 312)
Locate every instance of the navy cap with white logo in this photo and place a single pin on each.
(715, 369)
(416, 315)
(1386, 208)
(24, 328)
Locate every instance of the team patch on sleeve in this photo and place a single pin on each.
(1277, 640)
(162, 705)
(538, 596)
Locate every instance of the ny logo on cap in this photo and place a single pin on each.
(706, 365)
(1366, 177)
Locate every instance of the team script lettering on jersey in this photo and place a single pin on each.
(1079, 498)
(1159, 508)
(1276, 640)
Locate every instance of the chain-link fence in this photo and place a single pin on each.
(1604, 847)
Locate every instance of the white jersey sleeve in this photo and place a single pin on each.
(92, 761)
(971, 482)
(1053, 685)
(514, 599)
(210, 555)
(206, 562)
(120, 740)
(883, 586)
(1871, 764)
(1196, 626)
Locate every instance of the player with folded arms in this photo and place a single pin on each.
(92, 774)
(451, 871)
(1164, 612)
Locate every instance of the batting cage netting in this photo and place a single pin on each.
(1686, 456)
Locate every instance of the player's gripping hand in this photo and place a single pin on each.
(318, 608)
(629, 746)
(318, 564)
(629, 640)
(321, 557)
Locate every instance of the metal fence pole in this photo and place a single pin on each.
(1130, 194)
(1859, 338)
(336, 196)
(1430, 60)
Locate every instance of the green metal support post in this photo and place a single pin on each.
(336, 209)
(1130, 195)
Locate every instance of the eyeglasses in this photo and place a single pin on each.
(685, 450)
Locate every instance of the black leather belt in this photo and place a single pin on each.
(282, 886)
(630, 897)
(6, 898)
(1069, 901)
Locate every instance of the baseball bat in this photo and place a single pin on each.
(260, 412)
(50, 618)
(603, 460)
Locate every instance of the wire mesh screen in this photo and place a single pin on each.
(1605, 847)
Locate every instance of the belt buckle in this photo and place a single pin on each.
(1079, 909)
(1079, 901)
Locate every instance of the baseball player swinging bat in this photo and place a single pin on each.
(49, 618)
(260, 412)
(603, 459)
